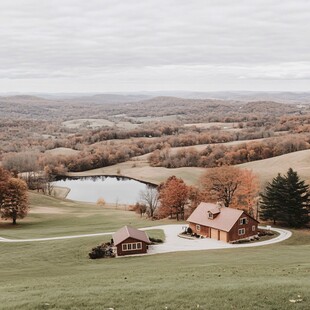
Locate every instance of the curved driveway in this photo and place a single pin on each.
(173, 243)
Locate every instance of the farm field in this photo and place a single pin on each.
(64, 151)
(59, 275)
(97, 123)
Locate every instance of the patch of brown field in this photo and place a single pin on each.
(88, 123)
(201, 147)
(223, 126)
(64, 151)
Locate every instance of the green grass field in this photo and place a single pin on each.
(59, 275)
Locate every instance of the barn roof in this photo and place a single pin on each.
(225, 220)
(130, 232)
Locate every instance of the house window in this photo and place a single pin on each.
(243, 221)
(241, 231)
(253, 228)
(132, 246)
(210, 215)
(198, 227)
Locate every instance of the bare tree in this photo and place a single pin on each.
(140, 208)
(150, 198)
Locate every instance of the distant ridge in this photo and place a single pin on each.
(123, 97)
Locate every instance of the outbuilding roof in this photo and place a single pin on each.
(225, 220)
(130, 232)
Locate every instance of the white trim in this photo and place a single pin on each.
(253, 228)
(132, 246)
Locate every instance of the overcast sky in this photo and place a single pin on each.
(109, 46)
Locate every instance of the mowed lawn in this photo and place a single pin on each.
(59, 275)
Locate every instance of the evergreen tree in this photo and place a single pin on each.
(271, 200)
(286, 199)
(296, 204)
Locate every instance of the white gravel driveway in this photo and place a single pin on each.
(173, 242)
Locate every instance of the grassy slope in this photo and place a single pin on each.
(265, 169)
(65, 217)
(58, 274)
(269, 168)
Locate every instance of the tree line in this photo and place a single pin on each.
(234, 187)
(219, 155)
(285, 200)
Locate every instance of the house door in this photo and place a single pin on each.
(214, 234)
(223, 236)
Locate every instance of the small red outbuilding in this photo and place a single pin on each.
(129, 240)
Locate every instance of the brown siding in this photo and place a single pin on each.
(120, 251)
(204, 230)
(233, 234)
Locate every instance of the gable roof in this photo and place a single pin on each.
(224, 221)
(129, 232)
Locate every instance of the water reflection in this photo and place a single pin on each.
(112, 189)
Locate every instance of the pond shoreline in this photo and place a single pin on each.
(117, 176)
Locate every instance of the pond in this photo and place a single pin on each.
(117, 190)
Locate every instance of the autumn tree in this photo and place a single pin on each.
(232, 186)
(4, 177)
(173, 196)
(101, 202)
(149, 197)
(194, 197)
(14, 203)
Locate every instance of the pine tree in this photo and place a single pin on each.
(286, 199)
(296, 204)
(271, 200)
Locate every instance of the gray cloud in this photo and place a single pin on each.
(160, 44)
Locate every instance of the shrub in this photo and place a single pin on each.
(101, 251)
(262, 233)
(156, 240)
(189, 230)
(241, 241)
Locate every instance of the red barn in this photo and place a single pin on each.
(129, 240)
(226, 224)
